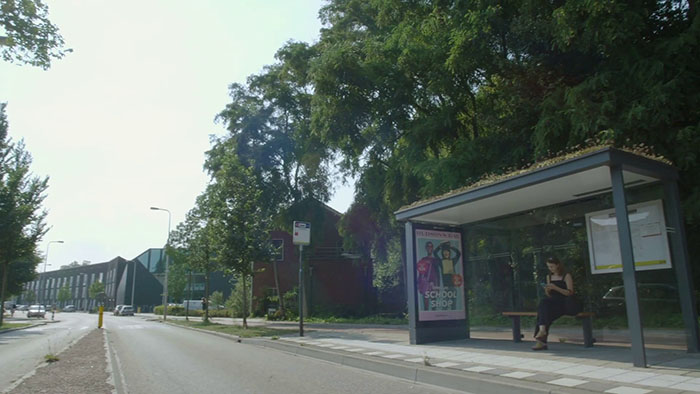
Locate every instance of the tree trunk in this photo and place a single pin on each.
(5, 268)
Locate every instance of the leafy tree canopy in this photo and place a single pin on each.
(27, 35)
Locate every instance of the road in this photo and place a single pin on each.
(22, 351)
(151, 357)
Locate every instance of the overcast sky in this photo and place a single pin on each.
(122, 123)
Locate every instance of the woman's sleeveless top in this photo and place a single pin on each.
(560, 283)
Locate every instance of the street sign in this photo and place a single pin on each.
(302, 233)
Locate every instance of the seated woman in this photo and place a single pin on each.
(559, 286)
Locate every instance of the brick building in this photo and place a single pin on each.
(335, 282)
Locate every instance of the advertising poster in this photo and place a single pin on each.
(649, 238)
(439, 275)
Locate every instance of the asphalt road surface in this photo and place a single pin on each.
(22, 351)
(151, 357)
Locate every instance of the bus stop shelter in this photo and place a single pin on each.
(433, 229)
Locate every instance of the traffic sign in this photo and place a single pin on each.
(302, 233)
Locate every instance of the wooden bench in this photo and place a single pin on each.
(585, 317)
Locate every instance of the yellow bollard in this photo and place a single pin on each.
(139, 310)
(99, 320)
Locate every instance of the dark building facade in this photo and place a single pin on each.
(137, 282)
(142, 290)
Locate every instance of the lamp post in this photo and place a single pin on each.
(46, 260)
(167, 259)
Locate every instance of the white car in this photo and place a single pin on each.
(126, 310)
(36, 311)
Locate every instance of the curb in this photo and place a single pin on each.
(43, 323)
(476, 383)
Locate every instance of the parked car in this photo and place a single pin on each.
(651, 295)
(36, 311)
(69, 308)
(127, 310)
(22, 307)
(116, 310)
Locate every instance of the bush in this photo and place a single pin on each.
(177, 311)
(234, 303)
(219, 313)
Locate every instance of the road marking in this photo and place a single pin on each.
(111, 352)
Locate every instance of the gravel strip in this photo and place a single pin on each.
(82, 368)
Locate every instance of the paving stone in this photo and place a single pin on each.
(627, 390)
(567, 382)
(518, 375)
(497, 371)
(597, 386)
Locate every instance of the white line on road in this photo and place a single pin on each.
(111, 352)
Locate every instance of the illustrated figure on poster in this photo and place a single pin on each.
(449, 259)
(428, 275)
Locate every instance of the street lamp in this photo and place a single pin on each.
(46, 260)
(167, 260)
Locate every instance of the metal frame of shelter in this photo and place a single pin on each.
(601, 171)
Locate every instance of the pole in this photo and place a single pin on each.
(42, 300)
(301, 293)
(167, 263)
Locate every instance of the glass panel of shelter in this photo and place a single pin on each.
(505, 265)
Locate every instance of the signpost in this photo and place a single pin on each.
(301, 237)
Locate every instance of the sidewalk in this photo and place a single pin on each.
(490, 354)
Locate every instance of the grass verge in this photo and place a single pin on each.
(249, 332)
(7, 326)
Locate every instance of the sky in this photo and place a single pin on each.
(122, 123)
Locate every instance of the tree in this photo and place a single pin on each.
(29, 297)
(216, 299)
(96, 289)
(21, 216)
(237, 302)
(193, 241)
(31, 37)
(64, 294)
(269, 121)
(240, 223)
(426, 97)
(177, 273)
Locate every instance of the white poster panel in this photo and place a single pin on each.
(649, 239)
(439, 275)
(302, 233)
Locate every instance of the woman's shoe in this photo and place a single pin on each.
(540, 346)
(541, 336)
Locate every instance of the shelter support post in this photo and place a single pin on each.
(684, 277)
(629, 275)
(411, 284)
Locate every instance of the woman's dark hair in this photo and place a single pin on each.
(557, 262)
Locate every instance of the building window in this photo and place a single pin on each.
(278, 249)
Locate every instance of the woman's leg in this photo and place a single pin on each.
(544, 319)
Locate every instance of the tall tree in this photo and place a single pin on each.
(240, 222)
(21, 215)
(31, 37)
(425, 97)
(193, 240)
(269, 124)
